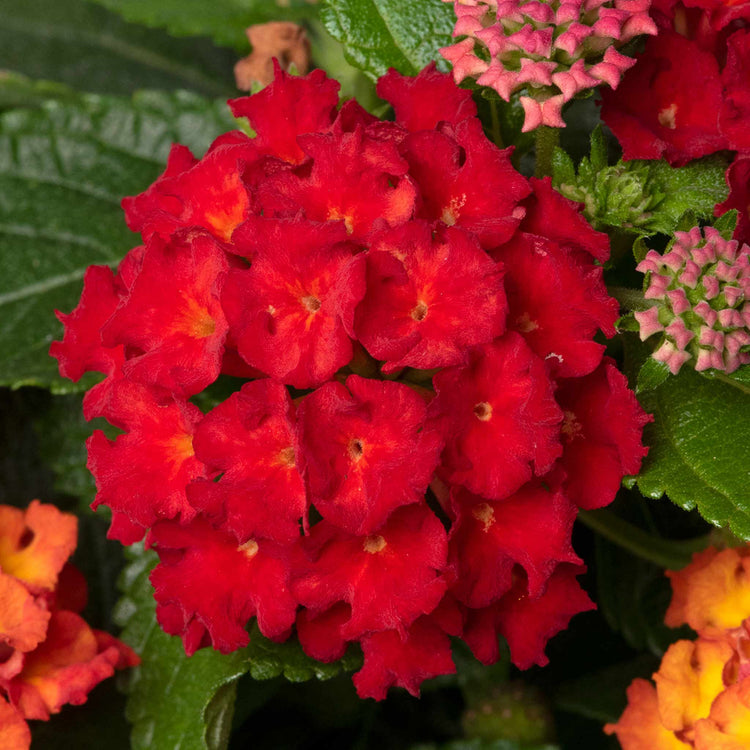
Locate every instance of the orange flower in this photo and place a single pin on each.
(640, 727)
(14, 731)
(48, 655)
(34, 544)
(713, 592)
(702, 694)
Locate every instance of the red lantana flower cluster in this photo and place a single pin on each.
(420, 405)
(49, 656)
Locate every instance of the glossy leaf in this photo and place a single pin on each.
(223, 20)
(63, 171)
(89, 48)
(173, 701)
(699, 452)
(382, 34)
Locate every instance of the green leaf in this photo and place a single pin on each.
(224, 21)
(18, 91)
(174, 701)
(699, 453)
(651, 375)
(563, 169)
(63, 170)
(268, 659)
(727, 223)
(87, 47)
(601, 695)
(382, 34)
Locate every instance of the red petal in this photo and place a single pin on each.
(502, 397)
(250, 440)
(403, 661)
(429, 298)
(389, 578)
(601, 434)
(367, 451)
(531, 528)
(423, 101)
(207, 582)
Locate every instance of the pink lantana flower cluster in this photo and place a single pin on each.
(552, 51)
(401, 327)
(700, 289)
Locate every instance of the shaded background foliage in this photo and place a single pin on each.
(92, 94)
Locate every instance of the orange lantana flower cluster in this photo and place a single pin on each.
(702, 695)
(49, 656)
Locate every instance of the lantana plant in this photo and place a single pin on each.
(393, 364)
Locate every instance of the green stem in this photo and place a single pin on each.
(547, 140)
(665, 553)
(630, 299)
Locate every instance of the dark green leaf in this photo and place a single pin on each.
(382, 34)
(173, 701)
(633, 596)
(18, 91)
(268, 659)
(651, 376)
(601, 695)
(88, 48)
(63, 171)
(727, 223)
(699, 453)
(224, 21)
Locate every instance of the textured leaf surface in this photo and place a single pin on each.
(63, 171)
(175, 702)
(223, 20)
(269, 659)
(700, 447)
(92, 49)
(382, 34)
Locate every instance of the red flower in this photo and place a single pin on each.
(655, 111)
(71, 661)
(551, 215)
(388, 578)
(392, 659)
(503, 397)
(143, 473)
(287, 108)
(734, 118)
(208, 193)
(367, 451)
(292, 311)
(466, 181)
(81, 349)
(206, 585)
(249, 440)
(174, 333)
(429, 298)
(353, 178)
(601, 435)
(527, 622)
(490, 537)
(557, 301)
(422, 103)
